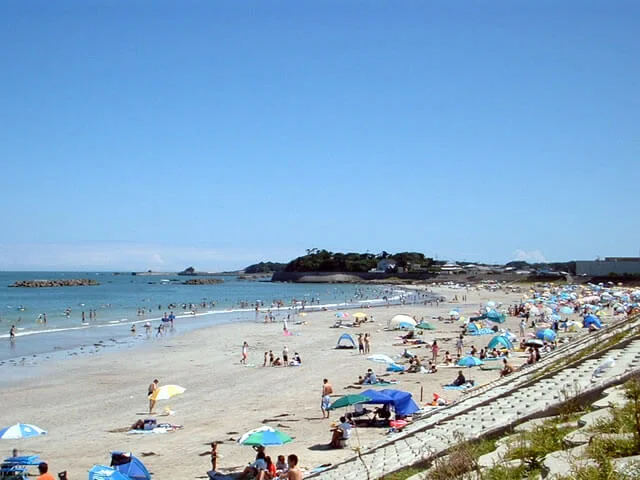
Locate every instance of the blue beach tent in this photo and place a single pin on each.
(377, 397)
(403, 403)
(101, 472)
(129, 465)
(591, 320)
(495, 316)
(346, 341)
(500, 341)
(546, 334)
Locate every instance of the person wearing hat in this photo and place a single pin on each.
(43, 468)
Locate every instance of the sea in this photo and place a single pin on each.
(121, 300)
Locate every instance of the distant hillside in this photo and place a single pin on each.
(325, 261)
(265, 267)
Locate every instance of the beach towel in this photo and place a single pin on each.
(482, 331)
(455, 387)
(491, 367)
(161, 428)
(384, 384)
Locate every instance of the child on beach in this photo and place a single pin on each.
(245, 353)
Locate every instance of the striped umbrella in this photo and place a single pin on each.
(21, 430)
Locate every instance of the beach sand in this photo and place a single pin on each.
(87, 402)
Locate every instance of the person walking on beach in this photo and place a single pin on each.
(523, 328)
(153, 386)
(327, 390)
(12, 333)
(459, 346)
(245, 353)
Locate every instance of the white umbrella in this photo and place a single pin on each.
(21, 430)
(381, 358)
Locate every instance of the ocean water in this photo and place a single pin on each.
(122, 300)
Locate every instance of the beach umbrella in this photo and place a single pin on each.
(399, 320)
(21, 430)
(264, 436)
(546, 334)
(425, 326)
(359, 315)
(534, 342)
(348, 400)
(342, 314)
(165, 392)
(470, 361)
(380, 358)
(566, 310)
(491, 304)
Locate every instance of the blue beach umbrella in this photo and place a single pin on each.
(21, 430)
(470, 361)
(566, 310)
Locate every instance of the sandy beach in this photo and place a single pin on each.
(88, 402)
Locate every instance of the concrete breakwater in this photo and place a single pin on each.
(67, 282)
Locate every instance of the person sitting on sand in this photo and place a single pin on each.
(460, 380)
(438, 401)
(281, 465)
(270, 472)
(483, 354)
(506, 368)
(277, 362)
(341, 433)
(370, 378)
(255, 469)
(494, 353)
(447, 358)
(433, 368)
(139, 425)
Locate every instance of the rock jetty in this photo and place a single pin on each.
(67, 282)
(202, 281)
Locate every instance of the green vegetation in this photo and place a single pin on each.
(325, 261)
(531, 447)
(265, 267)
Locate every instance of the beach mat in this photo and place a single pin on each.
(492, 367)
(454, 387)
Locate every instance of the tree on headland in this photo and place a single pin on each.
(325, 261)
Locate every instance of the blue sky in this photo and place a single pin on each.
(155, 134)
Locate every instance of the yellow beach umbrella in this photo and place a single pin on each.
(359, 315)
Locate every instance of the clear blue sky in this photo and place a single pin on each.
(155, 134)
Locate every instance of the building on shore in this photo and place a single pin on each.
(615, 265)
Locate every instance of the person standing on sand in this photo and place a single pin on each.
(294, 472)
(360, 344)
(285, 356)
(459, 346)
(327, 390)
(12, 333)
(245, 353)
(367, 343)
(153, 386)
(434, 351)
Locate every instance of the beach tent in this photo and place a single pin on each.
(546, 334)
(403, 403)
(130, 466)
(500, 341)
(472, 328)
(100, 472)
(495, 316)
(591, 320)
(346, 341)
(402, 322)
